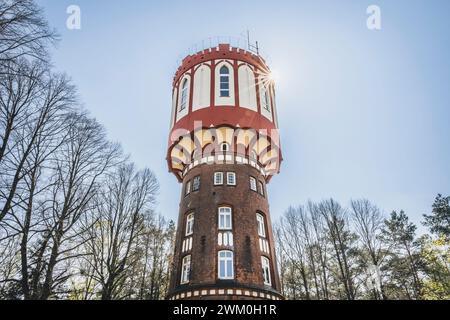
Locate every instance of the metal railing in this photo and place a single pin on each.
(242, 42)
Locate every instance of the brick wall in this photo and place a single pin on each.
(245, 203)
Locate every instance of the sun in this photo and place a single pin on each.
(272, 77)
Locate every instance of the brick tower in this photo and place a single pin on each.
(224, 148)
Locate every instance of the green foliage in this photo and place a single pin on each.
(324, 255)
(398, 230)
(436, 254)
(439, 219)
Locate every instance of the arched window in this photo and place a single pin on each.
(190, 224)
(266, 271)
(184, 95)
(225, 147)
(185, 269)
(226, 264)
(224, 82)
(266, 101)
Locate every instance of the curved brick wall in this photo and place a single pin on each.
(204, 283)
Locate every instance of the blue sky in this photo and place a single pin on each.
(362, 113)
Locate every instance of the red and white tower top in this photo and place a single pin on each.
(223, 111)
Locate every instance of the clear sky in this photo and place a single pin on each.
(362, 113)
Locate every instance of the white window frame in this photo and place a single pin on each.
(265, 263)
(227, 257)
(229, 182)
(190, 224)
(187, 189)
(225, 238)
(253, 184)
(225, 218)
(260, 220)
(194, 180)
(261, 188)
(218, 178)
(185, 269)
(184, 95)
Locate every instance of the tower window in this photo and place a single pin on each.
(187, 189)
(184, 94)
(266, 271)
(185, 269)
(224, 147)
(196, 183)
(253, 184)
(225, 238)
(225, 218)
(218, 178)
(231, 178)
(261, 188)
(190, 224)
(261, 225)
(224, 82)
(266, 101)
(226, 264)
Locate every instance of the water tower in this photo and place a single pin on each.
(224, 148)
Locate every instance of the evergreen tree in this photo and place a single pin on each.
(404, 263)
(439, 219)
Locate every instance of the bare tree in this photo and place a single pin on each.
(320, 248)
(62, 182)
(35, 109)
(153, 269)
(116, 224)
(24, 33)
(368, 223)
(76, 169)
(291, 233)
(341, 239)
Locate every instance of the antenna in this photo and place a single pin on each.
(252, 47)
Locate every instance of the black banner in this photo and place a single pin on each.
(193, 310)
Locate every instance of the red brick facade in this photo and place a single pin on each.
(204, 283)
